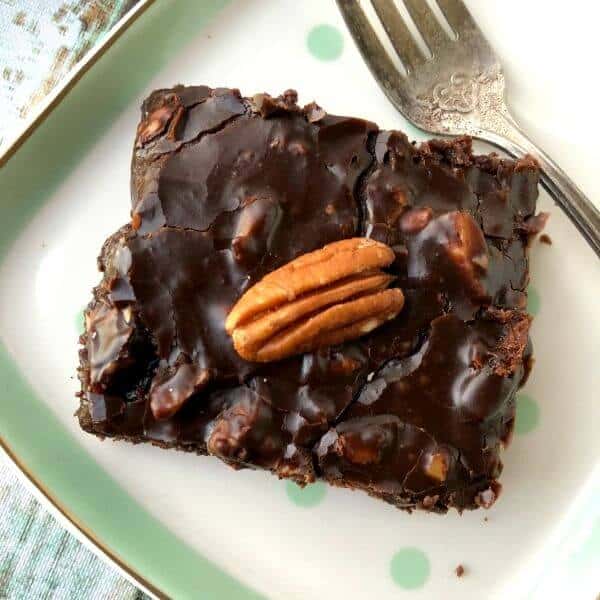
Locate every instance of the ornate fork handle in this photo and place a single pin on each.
(562, 189)
(457, 90)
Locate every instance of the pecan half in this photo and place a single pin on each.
(322, 298)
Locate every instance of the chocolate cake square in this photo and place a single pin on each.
(413, 404)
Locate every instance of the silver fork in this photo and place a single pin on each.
(458, 90)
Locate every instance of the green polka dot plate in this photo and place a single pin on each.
(184, 526)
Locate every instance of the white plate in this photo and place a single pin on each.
(245, 522)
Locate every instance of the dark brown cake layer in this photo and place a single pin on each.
(226, 189)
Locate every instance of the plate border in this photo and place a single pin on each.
(23, 203)
(120, 529)
(74, 525)
(52, 100)
(43, 494)
(9, 228)
(36, 487)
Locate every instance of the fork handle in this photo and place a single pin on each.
(570, 198)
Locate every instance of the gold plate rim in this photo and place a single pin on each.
(48, 499)
(75, 75)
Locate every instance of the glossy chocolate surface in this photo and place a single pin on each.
(226, 189)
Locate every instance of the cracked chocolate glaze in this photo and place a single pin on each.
(226, 189)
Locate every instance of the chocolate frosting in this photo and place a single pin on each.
(226, 189)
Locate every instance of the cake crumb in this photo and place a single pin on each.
(460, 571)
(546, 239)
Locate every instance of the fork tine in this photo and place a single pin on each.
(372, 51)
(466, 29)
(399, 34)
(458, 15)
(427, 24)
